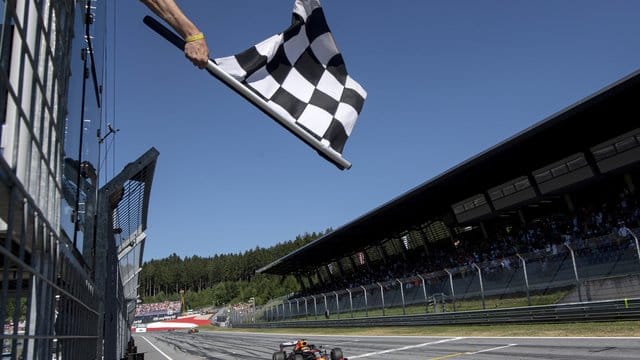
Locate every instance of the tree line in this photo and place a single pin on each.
(221, 278)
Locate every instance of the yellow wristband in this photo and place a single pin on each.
(195, 37)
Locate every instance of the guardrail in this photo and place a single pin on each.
(625, 309)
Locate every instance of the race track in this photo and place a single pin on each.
(236, 345)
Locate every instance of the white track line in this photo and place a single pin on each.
(556, 337)
(404, 348)
(155, 347)
(492, 349)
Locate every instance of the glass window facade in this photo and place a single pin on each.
(70, 262)
(82, 122)
(49, 116)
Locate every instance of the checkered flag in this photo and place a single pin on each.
(302, 75)
(298, 78)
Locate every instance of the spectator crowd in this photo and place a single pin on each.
(594, 231)
(161, 308)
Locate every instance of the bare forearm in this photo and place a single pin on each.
(169, 11)
(195, 49)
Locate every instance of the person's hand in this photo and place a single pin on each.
(197, 52)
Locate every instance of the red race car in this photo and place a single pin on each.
(303, 350)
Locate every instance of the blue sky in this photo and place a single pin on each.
(445, 81)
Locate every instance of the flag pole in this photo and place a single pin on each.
(323, 150)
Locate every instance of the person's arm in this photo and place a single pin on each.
(196, 50)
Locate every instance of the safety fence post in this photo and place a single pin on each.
(453, 294)
(315, 307)
(526, 277)
(424, 291)
(634, 238)
(306, 308)
(404, 310)
(481, 284)
(575, 270)
(350, 301)
(326, 306)
(366, 304)
(382, 297)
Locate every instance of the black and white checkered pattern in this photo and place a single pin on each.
(302, 76)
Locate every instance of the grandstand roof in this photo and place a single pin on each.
(608, 113)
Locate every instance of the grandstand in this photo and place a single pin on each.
(560, 197)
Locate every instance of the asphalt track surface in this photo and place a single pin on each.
(237, 345)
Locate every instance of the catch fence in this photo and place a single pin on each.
(598, 269)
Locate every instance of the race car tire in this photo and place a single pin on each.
(279, 355)
(336, 354)
(298, 357)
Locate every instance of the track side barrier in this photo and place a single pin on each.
(612, 310)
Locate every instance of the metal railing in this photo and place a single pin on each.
(612, 310)
(49, 303)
